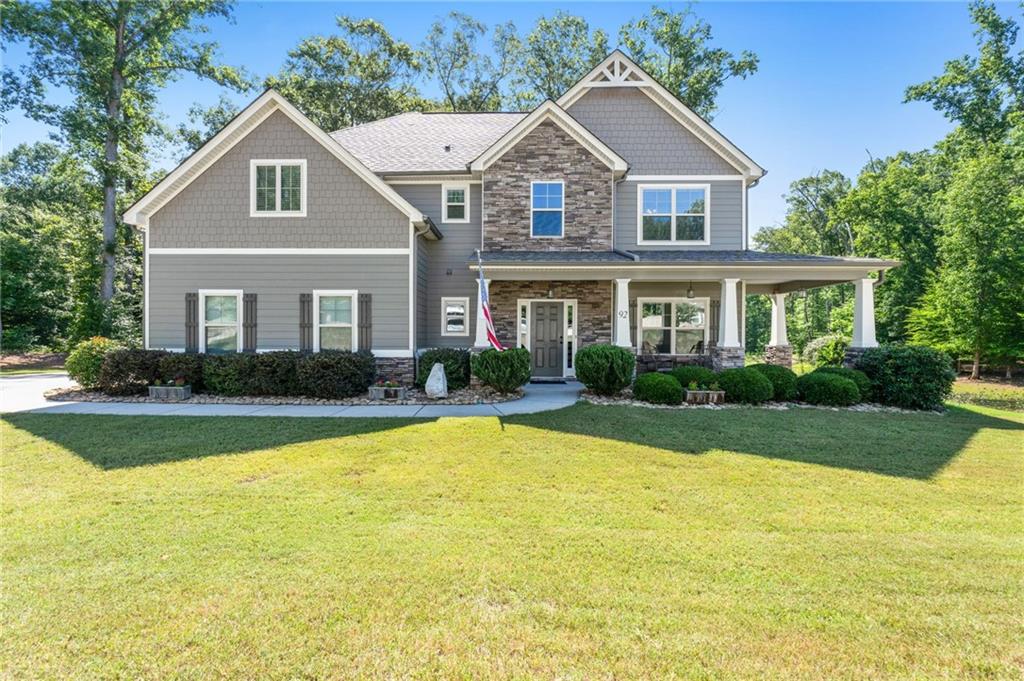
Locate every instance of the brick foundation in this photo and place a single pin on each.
(400, 369)
(648, 363)
(779, 355)
(852, 356)
(727, 358)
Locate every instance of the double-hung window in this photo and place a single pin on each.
(221, 318)
(455, 202)
(547, 209)
(335, 314)
(455, 316)
(277, 188)
(675, 326)
(673, 214)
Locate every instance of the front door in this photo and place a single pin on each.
(547, 341)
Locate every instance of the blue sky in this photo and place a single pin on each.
(828, 92)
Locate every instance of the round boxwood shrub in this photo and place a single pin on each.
(908, 376)
(658, 388)
(605, 369)
(687, 374)
(334, 374)
(829, 389)
(456, 366)
(186, 366)
(745, 385)
(858, 377)
(826, 351)
(129, 372)
(505, 371)
(84, 363)
(783, 380)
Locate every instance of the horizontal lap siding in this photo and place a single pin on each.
(278, 280)
(726, 217)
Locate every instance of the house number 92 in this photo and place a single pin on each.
(623, 314)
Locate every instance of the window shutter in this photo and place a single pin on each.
(716, 306)
(306, 322)
(249, 322)
(365, 322)
(192, 322)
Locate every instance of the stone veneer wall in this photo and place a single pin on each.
(648, 363)
(548, 153)
(779, 355)
(727, 358)
(401, 369)
(593, 313)
(852, 356)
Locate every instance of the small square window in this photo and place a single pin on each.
(454, 316)
(455, 202)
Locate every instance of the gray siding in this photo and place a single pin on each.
(726, 217)
(421, 293)
(278, 280)
(647, 136)
(343, 211)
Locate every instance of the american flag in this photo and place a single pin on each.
(485, 306)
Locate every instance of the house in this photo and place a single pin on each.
(614, 215)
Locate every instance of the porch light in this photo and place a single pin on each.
(689, 291)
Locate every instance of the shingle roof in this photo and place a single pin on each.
(415, 141)
(673, 257)
(552, 257)
(739, 257)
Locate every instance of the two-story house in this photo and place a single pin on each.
(614, 214)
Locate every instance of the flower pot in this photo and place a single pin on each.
(705, 396)
(170, 393)
(380, 392)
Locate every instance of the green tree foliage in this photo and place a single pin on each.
(203, 123)
(556, 53)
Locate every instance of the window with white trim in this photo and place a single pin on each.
(673, 213)
(335, 314)
(547, 214)
(278, 188)
(220, 321)
(455, 202)
(674, 326)
(454, 316)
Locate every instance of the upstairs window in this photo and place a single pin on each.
(278, 188)
(455, 201)
(547, 210)
(673, 214)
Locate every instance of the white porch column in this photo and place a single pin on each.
(481, 323)
(864, 314)
(778, 335)
(622, 313)
(728, 312)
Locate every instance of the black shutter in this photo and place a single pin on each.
(306, 322)
(713, 319)
(192, 322)
(365, 322)
(249, 322)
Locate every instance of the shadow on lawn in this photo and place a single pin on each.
(905, 445)
(112, 442)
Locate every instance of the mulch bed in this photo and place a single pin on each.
(626, 399)
(33, 360)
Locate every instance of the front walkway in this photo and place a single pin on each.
(25, 394)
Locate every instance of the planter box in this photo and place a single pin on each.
(705, 396)
(170, 393)
(382, 393)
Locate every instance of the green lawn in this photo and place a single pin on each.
(593, 542)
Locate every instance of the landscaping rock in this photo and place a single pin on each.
(437, 382)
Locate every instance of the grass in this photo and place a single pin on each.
(25, 372)
(592, 542)
(989, 393)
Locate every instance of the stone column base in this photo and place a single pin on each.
(727, 358)
(779, 355)
(474, 382)
(853, 355)
(648, 363)
(400, 369)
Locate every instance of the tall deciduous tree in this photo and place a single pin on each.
(204, 122)
(674, 47)
(556, 53)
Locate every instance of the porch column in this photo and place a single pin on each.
(481, 323)
(622, 313)
(863, 320)
(778, 350)
(728, 353)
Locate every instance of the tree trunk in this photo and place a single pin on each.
(976, 369)
(110, 157)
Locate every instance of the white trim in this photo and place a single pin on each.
(277, 212)
(672, 335)
(743, 216)
(684, 178)
(435, 180)
(444, 315)
(240, 313)
(706, 241)
(547, 210)
(413, 280)
(354, 324)
(145, 289)
(567, 371)
(464, 186)
(278, 251)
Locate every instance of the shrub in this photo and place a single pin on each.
(745, 385)
(273, 373)
(84, 362)
(456, 366)
(908, 376)
(658, 388)
(825, 388)
(129, 372)
(187, 366)
(828, 350)
(783, 380)
(605, 369)
(504, 371)
(227, 374)
(333, 374)
(858, 377)
(18, 339)
(686, 375)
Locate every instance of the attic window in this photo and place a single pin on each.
(455, 202)
(277, 188)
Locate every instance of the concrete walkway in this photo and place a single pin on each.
(25, 394)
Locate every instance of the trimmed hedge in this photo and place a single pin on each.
(783, 380)
(505, 371)
(333, 374)
(456, 366)
(908, 376)
(827, 350)
(85, 361)
(827, 389)
(187, 366)
(858, 377)
(129, 372)
(228, 374)
(658, 388)
(605, 369)
(745, 385)
(687, 374)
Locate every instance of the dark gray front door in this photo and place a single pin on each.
(546, 329)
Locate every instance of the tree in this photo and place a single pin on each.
(113, 58)
(204, 123)
(674, 48)
(470, 78)
(361, 75)
(557, 53)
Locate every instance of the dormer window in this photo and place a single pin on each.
(277, 188)
(673, 214)
(455, 202)
(547, 213)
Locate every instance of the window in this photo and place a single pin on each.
(673, 327)
(673, 213)
(278, 188)
(221, 317)
(455, 202)
(546, 209)
(455, 316)
(335, 313)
